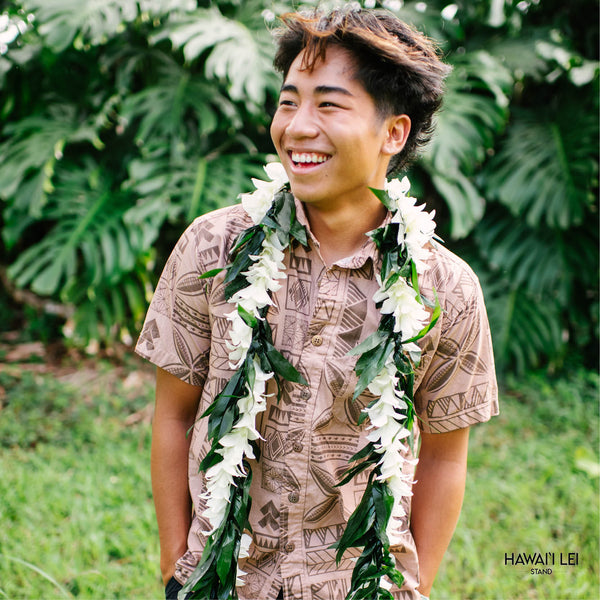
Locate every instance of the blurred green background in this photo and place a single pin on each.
(121, 121)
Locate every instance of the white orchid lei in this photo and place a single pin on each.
(385, 366)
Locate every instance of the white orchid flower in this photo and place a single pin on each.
(235, 446)
(258, 203)
(416, 226)
(252, 298)
(241, 338)
(386, 431)
(400, 299)
(245, 542)
(277, 174)
(397, 188)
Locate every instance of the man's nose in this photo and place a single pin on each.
(303, 124)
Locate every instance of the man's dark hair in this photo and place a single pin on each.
(397, 65)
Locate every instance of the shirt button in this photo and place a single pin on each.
(293, 497)
(317, 340)
(298, 447)
(305, 393)
(289, 547)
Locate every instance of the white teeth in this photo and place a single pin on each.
(309, 157)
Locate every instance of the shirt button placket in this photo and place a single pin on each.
(313, 358)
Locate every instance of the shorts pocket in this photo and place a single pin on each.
(172, 589)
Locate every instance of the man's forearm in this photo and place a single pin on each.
(170, 449)
(437, 500)
(175, 412)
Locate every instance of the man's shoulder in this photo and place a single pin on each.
(217, 228)
(206, 242)
(222, 219)
(445, 260)
(449, 275)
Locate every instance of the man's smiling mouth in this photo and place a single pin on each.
(308, 158)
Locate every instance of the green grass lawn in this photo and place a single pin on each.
(532, 488)
(76, 514)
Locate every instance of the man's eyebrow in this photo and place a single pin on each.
(288, 87)
(320, 89)
(332, 89)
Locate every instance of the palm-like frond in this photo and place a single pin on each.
(519, 53)
(233, 52)
(88, 243)
(91, 21)
(114, 311)
(474, 112)
(188, 187)
(464, 200)
(547, 168)
(177, 107)
(227, 176)
(531, 258)
(28, 158)
(541, 275)
(526, 329)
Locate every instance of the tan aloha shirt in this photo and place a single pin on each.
(319, 314)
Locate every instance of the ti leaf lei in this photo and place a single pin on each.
(385, 366)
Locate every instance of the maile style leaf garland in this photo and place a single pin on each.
(385, 366)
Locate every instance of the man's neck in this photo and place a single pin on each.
(341, 232)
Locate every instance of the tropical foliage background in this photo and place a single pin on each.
(122, 120)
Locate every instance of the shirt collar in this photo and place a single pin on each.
(368, 251)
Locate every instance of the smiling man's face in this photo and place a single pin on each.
(328, 135)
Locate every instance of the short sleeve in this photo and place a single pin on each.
(176, 332)
(457, 385)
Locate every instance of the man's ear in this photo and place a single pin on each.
(398, 128)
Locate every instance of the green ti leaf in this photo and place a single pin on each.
(224, 559)
(435, 315)
(282, 366)
(383, 197)
(383, 500)
(210, 273)
(248, 317)
(374, 340)
(370, 364)
(359, 468)
(360, 521)
(212, 458)
(231, 390)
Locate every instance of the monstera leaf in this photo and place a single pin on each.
(547, 169)
(537, 284)
(114, 311)
(28, 158)
(87, 243)
(532, 258)
(233, 52)
(527, 329)
(176, 107)
(93, 22)
(188, 187)
(474, 113)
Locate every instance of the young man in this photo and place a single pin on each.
(359, 91)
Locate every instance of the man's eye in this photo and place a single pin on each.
(286, 103)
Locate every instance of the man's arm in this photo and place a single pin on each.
(437, 500)
(175, 412)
